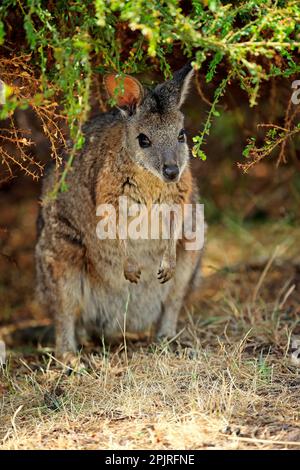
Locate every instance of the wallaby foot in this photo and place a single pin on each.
(71, 361)
(132, 271)
(167, 330)
(165, 337)
(177, 345)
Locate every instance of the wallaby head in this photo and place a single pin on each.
(154, 125)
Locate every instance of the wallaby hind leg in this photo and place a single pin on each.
(188, 265)
(65, 326)
(58, 288)
(67, 310)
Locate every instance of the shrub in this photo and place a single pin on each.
(53, 53)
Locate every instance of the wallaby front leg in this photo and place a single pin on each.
(132, 271)
(168, 262)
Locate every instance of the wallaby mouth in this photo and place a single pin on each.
(171, 173)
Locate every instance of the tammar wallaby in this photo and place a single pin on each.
(95, 286)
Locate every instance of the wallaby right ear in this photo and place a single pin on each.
(125, 89)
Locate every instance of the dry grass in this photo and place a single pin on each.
(232, 385)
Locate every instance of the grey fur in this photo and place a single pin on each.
(80, 279)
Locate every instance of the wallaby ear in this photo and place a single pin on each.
(126, 90)
(173, 92)
(184, 79)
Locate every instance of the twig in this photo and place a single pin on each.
(264, 273)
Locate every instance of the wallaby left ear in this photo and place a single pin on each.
(126, 90)
(173, 92)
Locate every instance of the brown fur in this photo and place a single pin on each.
(83, 281)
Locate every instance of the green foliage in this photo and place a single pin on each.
(199, 139)
(71, 41)
(275, 137)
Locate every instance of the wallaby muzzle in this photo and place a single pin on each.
(171, 172)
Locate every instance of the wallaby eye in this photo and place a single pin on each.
(144, 141)
(181, 136)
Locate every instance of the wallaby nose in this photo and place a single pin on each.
(170, 172)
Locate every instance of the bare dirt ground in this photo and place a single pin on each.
(229, 383)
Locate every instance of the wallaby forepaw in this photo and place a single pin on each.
(132, 276)
(165, 273)
(132, 272)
